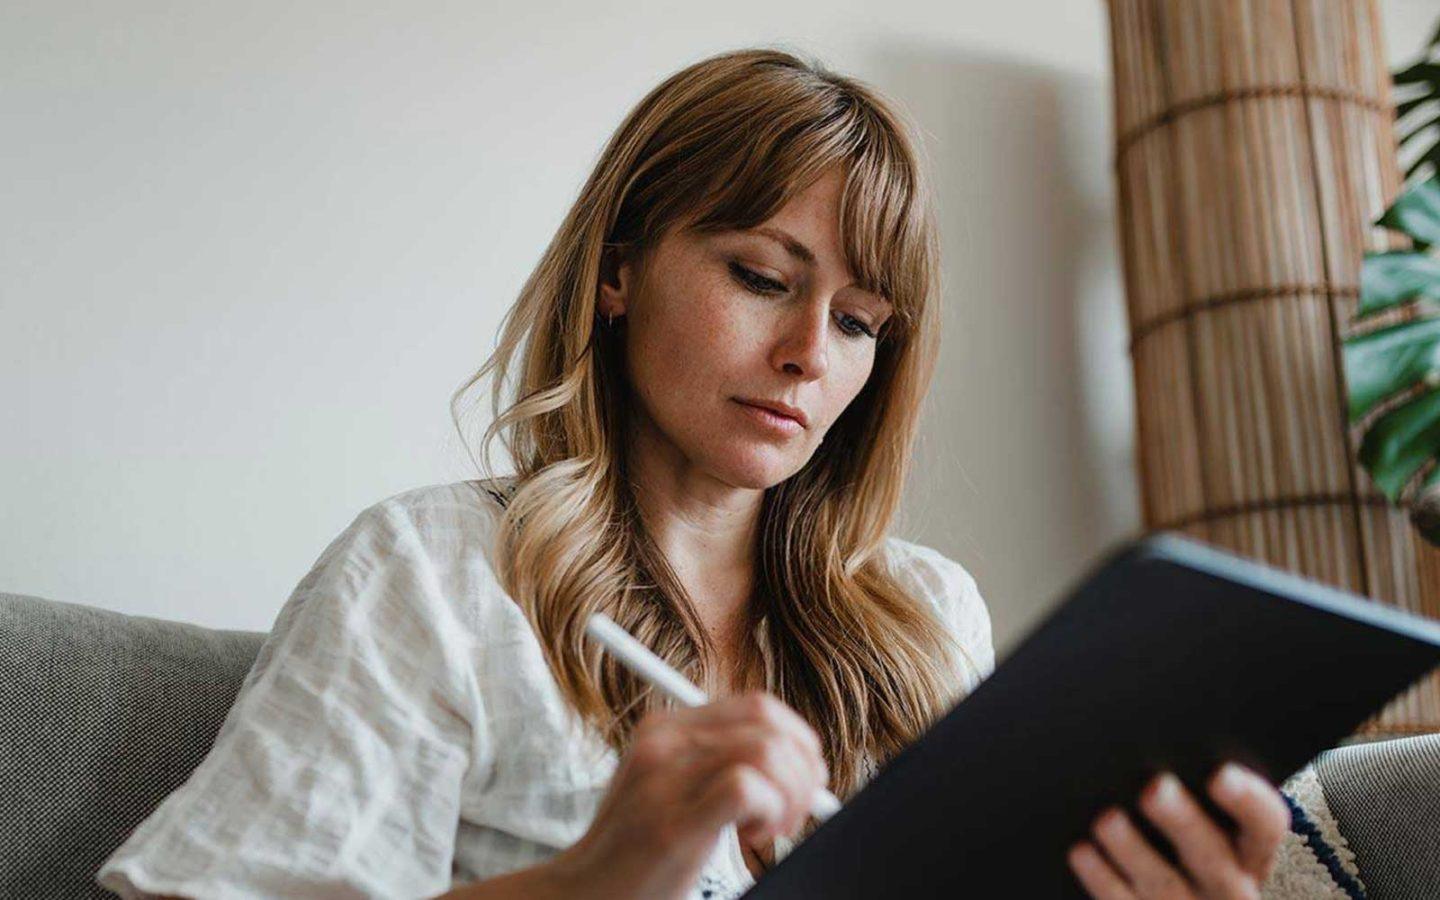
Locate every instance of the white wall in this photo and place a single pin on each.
(248, 250)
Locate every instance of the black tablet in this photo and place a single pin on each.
(1170, 654)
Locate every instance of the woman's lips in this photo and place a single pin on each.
(779, 407)
(771, 420)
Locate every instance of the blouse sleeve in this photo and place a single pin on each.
(337, 771)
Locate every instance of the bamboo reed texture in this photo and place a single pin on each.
(1253, 148)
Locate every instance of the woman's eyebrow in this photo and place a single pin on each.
(788, 241)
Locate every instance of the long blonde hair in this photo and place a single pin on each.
(725, 143)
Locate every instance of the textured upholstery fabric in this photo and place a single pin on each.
(1386, 798)
(101, 715)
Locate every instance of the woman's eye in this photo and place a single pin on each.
(855, 330)
(759, 284)
(755, 281)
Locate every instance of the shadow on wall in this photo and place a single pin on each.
(1025, 468)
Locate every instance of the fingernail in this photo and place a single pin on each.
(1167, 790)
(1231, 780)
(1108, 821)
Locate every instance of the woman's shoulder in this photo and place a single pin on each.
(445, 529)
(951, 589)
(459, 501)
(937, 573)
(449, 518)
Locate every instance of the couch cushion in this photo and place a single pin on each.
(101, 716)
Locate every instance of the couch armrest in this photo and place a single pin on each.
(1386, 799)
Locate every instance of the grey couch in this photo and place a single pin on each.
(103, 714)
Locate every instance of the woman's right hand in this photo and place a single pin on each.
(747, 759)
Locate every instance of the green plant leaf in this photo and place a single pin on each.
(1422, 72)
(1396, 276)
(1403, 360)
(1416, 213)
(1389, 361)
(1400, 443)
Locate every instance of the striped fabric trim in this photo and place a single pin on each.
(1301, 824)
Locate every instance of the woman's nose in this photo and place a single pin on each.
(803, 348)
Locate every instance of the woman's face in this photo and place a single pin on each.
(728, 319)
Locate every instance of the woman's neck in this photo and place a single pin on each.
(707, 531)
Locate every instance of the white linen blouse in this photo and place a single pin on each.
(400, 733)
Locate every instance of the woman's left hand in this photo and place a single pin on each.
(1215, 865)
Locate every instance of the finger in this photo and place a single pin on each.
(705, 737)
(1148, 873)
(656, 741)
(740, 794)
(755, 706)
(667, 735)
(1259, 809)
(720, 739)
(1206, 851)
(1096, 874)
(768, 752)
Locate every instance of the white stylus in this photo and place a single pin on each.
(638, 658)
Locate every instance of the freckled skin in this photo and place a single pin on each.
(696, 337)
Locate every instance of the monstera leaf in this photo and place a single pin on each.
(1398, 366)
(1392, 373)
(1419, 85)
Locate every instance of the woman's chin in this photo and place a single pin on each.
(757, 469)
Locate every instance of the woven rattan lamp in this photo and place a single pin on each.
(1253, 149)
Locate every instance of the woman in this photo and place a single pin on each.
(724, 352)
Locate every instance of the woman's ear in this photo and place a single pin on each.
(613, 296)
